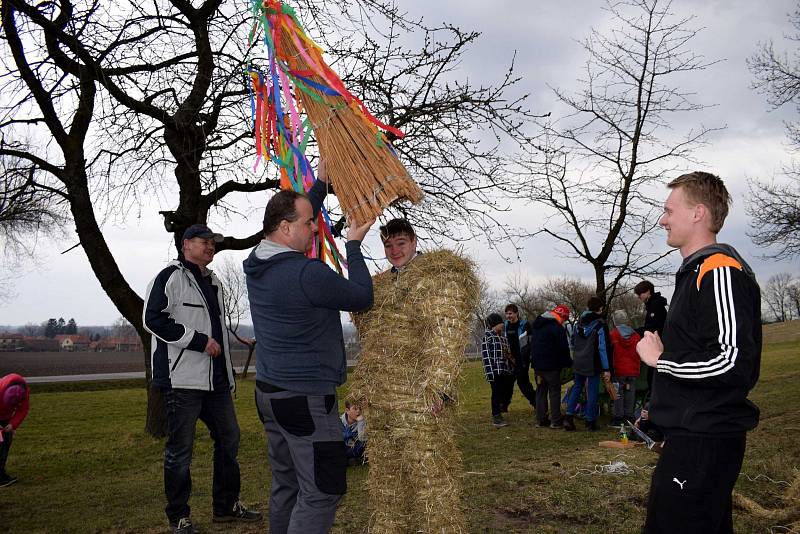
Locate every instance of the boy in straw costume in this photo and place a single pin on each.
(413, 343)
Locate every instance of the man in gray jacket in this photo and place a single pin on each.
(191, 363)
(295, 304)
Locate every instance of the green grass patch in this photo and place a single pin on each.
(86, 465)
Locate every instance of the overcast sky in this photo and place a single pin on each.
(545, 35)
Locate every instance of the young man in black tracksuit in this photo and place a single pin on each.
(518, 333)
(707, 363)
(655, 315)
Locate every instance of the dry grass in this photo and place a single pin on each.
(85, 466)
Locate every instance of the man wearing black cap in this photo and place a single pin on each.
(191, 362)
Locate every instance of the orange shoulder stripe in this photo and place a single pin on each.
(715, 262)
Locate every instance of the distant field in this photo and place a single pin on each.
(77, 363)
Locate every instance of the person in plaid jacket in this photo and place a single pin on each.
(497, 366)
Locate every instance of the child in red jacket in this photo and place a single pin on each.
(626, 367)
(14, 404)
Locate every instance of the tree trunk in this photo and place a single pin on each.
(252, 347)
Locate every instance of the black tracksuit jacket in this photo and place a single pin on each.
(712, 348)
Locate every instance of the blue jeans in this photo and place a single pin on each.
(215, 409)
(591, 383)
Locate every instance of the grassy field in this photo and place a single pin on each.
(85, 465)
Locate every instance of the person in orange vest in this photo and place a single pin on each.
(14, 404)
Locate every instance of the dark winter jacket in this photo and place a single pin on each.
(712, 347)
(655, 313)
(519, 341)
(549, 344)
(626, 359)
(598, 359)
(295, 304)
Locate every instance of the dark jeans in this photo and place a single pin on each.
(692, 484)
(523, 379)
(4, 448)
(215, 409)
(501, 385)
(548, 386)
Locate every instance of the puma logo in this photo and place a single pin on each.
(678, 482)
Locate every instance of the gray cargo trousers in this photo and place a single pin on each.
(306, 456)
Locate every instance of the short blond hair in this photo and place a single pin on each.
(706, 189)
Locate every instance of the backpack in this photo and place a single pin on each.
(585, 349)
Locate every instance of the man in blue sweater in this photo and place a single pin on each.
(295, 304)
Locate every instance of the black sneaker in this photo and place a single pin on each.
(183, 526)
(498, 421)
(569, 423)
(238, 513)
(7, 480)
(546, 422)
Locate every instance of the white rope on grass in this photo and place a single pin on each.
(768, 479)
(613, 467)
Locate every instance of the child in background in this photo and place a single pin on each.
(354, 431)
(497, 368)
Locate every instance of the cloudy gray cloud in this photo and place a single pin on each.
(545, 35)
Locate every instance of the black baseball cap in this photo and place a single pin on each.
(201, 230)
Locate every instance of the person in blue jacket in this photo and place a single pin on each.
(295, 303)
(591, 360)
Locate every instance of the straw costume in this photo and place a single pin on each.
(413, 343)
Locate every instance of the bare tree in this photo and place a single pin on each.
(236, 302)
(794, 297)
(31, 330)
(775, 206)
(777, 296)
(601, 160)
(123, 329)
(573, 292)
(132, 92)
(26, 213)
(522, 292)
(775, 211)
(489, 300)
(627, 301)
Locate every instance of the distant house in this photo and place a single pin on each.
(73, 342)
(40, 344)
(117, 344)
(11, 342)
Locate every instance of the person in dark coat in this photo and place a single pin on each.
(655, 307)
(550, 354)
(655, 315)
(518, 335)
